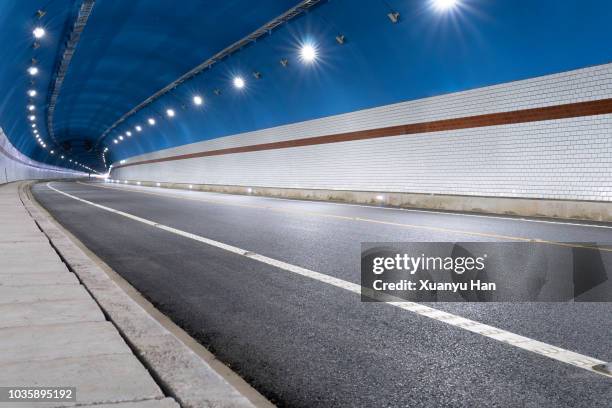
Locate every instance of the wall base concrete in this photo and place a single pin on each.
(564, 209)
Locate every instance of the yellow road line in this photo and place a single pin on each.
(368, 220)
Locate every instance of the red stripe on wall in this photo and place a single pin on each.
(571, 110)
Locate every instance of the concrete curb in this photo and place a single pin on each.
(514, 206)
(181, 372)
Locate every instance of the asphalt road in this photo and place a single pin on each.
(304, 343)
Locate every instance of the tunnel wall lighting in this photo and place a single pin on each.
(39, 32)
(32, 118)
(444, 5)
(32, 93)
(308, 53)
(120, 137)
(394, 16)
(151, 121)
(33, 71)
(197, 100)
(31, 107)
(138, 128)
(170, 113)
(239, 82)
(128, 133)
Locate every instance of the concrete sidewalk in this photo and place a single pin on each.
(52, 333)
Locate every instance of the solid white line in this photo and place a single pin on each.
(453, 214)
(524, 343)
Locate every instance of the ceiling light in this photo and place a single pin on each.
(31, 107)
(308, 53)
(35, 131)
(70, 160)
(170, 113)
(32, 70)
(128, 133)
(138, 129)
(33, 125)
(239, 82)
(394, 16)
(115, 141)
(32, 93)
(443, 5)
(62, 156)
(39, 32)
(151, 121)
(52, 152)
(32, 118)
(120, 137)
(197, 100)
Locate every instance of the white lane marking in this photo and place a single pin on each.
(521, 342)
(453, 214)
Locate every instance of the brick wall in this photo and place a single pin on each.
(567, 158)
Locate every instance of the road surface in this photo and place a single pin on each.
(303, 342)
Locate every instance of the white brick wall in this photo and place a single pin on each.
(12, 170)
(559, 159)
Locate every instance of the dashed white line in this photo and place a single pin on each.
(512, 339)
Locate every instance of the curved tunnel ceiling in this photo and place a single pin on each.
(129, 50)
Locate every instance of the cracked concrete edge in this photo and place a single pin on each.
(184, 372)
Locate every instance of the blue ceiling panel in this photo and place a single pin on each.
(131, 49)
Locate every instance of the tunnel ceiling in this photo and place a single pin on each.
(128, 50)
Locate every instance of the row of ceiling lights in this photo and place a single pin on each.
(33, 70)
(307, 54)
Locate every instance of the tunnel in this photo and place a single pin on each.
(305, 203)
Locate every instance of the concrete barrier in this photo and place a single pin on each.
(526, 207)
